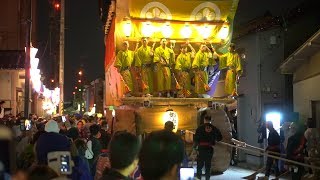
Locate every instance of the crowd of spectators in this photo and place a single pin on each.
(76, 147)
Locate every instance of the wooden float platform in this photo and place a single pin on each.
(160, 101)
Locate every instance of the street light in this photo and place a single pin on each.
(56, 6)
(79, 81)
(80, 73)
(76, 87)
(52, 80)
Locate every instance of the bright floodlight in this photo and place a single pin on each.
(186, 31)
(275, 118)
(166, 31)
(147, 29)
(113, 113)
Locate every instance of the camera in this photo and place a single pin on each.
(25, 125)
(28, 124)
(146, 103)
(186, 173)
(61, 162)
(63, 119)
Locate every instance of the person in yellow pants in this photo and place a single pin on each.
(183, 67)
(123, 63)
(143, 61)
(163, 59)
(200, 62)
(232, 62)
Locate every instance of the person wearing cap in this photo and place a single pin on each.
(204, 140)
(143, 61)
(163, 59)
(232, 62)
(1, 109)
(51, 141)
(123, 63)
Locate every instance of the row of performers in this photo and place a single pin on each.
(156, 69)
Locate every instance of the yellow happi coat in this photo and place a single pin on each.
(123, 63)
(233, 63)
(164, 59)
(183, 66)
(143, 60)
(200, 61)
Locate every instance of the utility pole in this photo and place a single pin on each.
(61, 54)
(28, 24)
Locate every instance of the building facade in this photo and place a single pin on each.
(94, 96)
(13, 15)
(303, 64)
(261, 85)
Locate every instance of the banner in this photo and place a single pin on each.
(185, 10)
(194, 20)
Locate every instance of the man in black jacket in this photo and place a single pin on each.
(205, 139)
(273, 146)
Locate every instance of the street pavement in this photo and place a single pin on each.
(236, 173)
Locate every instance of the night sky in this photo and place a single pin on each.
(84, 43)
(249, 9)
(84, 46)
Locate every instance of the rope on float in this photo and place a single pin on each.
(269, 155)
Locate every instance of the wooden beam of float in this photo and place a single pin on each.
(158, 101)
(214, 22)
(177, 40)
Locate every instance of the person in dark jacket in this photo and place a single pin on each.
(273, 146)
(205, 139)
(81, 170)
(105, 136)
(169, 126)
(295, 150)
(123, 152)
(96, 145)
(73, 133)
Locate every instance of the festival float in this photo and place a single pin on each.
(145, 86)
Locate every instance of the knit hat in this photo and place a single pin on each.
(52, 126)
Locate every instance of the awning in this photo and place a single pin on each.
(110, 16)
(301, 55)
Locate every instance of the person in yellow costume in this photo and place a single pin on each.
(200, 62)
(232, 62)
(163, 59)
(123, 63)
(143, 61)
(183, 67)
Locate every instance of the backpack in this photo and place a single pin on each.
(102, 163)
(81, 170)
(89, 153)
